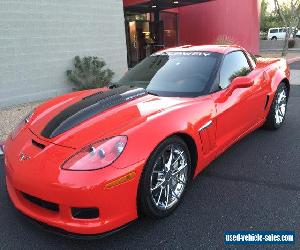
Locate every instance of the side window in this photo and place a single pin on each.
(281, 30)
(273, 30)
(234, 64)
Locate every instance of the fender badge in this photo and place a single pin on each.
(24, 157)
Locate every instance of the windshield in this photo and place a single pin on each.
(182, 74)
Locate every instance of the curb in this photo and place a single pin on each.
(292, 60)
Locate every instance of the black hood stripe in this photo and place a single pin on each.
(89, 107)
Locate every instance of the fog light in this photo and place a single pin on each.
(85, 213)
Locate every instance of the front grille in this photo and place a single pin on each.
(41, 203)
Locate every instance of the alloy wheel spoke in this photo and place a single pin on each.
(158, 185)
(180, 181)
(179, 156)
(158, 200)
(282, 96)
(179, 169)
(168, 179)
(158, 171)
(280, 112)
(174, 194)
(167, 195)
(278, 117)
(282, 108)
(168, 164)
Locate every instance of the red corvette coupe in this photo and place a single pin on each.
(92, 161)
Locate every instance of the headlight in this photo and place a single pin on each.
(28, 117)
(97, 155)
(21, 124)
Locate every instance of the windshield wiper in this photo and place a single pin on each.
(151, 93)
(113, 85)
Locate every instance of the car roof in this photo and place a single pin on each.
(223, 49)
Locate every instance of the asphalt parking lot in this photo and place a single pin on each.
(255, 185)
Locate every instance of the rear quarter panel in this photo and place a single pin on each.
(275, 71)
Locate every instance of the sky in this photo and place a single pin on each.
(271, 3)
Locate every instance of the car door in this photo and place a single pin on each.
(240, 110)
(282, 34)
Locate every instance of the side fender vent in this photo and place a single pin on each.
(37, 144)
(267, 101)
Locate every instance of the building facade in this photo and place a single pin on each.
(39, 39)
(171, 22)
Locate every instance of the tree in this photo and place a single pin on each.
(269, 19)
(290, 16)
(264, 15)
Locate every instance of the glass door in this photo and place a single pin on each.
(144, 36)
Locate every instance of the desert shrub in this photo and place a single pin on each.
(224, 40)
(291, 43)
(263, 36)
(242, 72)
(89, 73)
(254, 57)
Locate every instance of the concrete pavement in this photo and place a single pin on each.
(295, 72)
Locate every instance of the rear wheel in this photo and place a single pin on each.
(278, 108)
(274, 38)
(165, 178)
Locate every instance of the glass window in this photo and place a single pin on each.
(170, 28)
(280, 30)
(185, 74)
(235, 64)
(273, 30)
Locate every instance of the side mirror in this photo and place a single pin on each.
(241, 82)
(237, 83)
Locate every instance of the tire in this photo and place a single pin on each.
(277, 113)
(159, 178)
(274, 38)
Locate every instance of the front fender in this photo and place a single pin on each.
(185, 119)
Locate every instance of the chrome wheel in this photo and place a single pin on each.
(169, 177)
(280, 107)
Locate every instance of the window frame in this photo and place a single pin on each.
(216, 86)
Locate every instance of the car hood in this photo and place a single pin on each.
(72, 122)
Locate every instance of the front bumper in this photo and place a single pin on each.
(63, 233)
(72, 189)
(117, 207)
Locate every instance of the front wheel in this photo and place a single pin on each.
(278, 108)
(165, 178)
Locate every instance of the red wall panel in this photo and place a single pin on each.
(132, 2)
(204, 23)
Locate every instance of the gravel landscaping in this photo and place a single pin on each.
(11, 116)
(291, 54)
